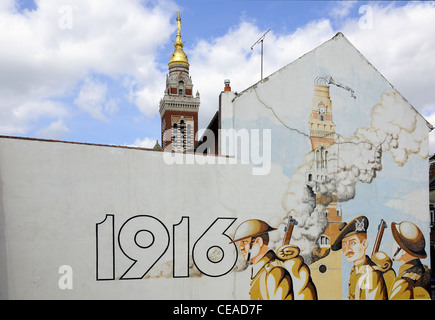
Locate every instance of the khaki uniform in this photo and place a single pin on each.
(384, 265)
(303, 286)
(412, 282)
(276, 276)
(270, 280)
(366, 282)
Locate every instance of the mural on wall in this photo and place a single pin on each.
(311, 252)
(282, 275)
(316, 191)
(348, 153)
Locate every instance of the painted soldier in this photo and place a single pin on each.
(413, 279)
(269, 278)
(366, 281)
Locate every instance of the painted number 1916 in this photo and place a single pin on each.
(144, 239)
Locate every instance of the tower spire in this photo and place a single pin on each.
(179, 108)
(178, 56)
(178, 41)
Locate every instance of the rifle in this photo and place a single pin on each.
(289, 230)
(382, 261)
(381, 228)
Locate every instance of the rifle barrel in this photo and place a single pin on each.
(289, 230)
(379, 236)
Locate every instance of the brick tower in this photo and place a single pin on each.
(178, 107)
(322, 136)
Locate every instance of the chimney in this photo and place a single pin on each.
(227, 85)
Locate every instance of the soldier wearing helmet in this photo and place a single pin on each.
(413, 279)
(269, 278)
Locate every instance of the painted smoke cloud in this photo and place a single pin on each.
(398, 128)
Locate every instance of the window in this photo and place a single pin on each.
(322, 160)
(183, 134)
(189, 137)
(432, 221)
(180, 88)
(323, 268)
(324, 241)
(174, 135)
(317, 155)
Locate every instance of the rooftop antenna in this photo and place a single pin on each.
(252, 48)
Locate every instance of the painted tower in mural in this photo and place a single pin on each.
(178, 107)
(327, 264)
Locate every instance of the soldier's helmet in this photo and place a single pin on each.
(251, 228)
(410, 238)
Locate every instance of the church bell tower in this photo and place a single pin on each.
(322, 136)
(179, 107)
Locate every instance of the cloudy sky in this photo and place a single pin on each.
(94, 71)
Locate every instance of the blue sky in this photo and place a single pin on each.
(94, 71)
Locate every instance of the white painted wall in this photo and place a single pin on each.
(52, 195)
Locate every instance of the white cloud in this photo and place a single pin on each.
(21, 114)
(405, 37)
(401, 45)
(56, 130)
(7, 5)
(144, 143)
(41, 60)
(31, 111)
(230, 57)
(342, 9)
(93, 99)
(147, 98)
